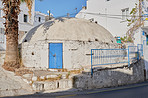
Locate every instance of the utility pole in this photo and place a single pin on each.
(68, 14)
(76, 10)
(49, 17)
(49, 14)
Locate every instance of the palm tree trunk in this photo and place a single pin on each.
(11, 10)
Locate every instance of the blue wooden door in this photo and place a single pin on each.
(55, 55)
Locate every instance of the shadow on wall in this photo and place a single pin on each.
(111, 77)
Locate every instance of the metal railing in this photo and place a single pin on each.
(115, 56)
(133, 54)
(145, 42)
(107, 56)
(140, 49)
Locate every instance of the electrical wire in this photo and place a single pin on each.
(114, 16)
(99, 14)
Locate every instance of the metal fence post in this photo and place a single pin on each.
(137, 52)
(142, 50)
(128, 58)
(91, 64)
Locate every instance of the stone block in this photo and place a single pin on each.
(51, 76)
(65, 83)
(27, 76)
(34, 78)
(63, 76)
(42, 77)
(26, 81)
(51, 85)
(38, 86)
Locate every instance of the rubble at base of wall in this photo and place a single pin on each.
(111, 77)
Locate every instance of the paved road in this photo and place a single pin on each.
(131, 91)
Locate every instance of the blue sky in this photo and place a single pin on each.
(59, 7)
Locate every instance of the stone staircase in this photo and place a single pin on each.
(45, 80)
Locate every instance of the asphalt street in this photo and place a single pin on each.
(130, 91)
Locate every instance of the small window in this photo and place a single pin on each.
(25, 18)
(39, 19)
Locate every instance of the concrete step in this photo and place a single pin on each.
(52, 85)
(42, 80)
(45, 74)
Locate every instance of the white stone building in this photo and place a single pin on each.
(39, 18)
(64, 43)
(112, 15)
(25, 24)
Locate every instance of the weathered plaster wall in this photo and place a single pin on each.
(111, 77)
(76, 54)
(35, 55)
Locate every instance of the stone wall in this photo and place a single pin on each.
(35, 55)
(76, 54)
(111, 77)
(145, 48)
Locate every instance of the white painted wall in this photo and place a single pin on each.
(1, 15)
(23, 26)
(24, 10)
(2, 45)
(105, 15)
(36, 18)
(76, 54)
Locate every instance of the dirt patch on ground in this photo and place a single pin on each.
(17, 69)
(11, 66)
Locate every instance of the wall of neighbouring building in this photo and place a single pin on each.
(41, 16)
(109, 15)
(76, 54)
(111, 77)
(23, 26)
(145, 48)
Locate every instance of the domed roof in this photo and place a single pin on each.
(69, 29)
